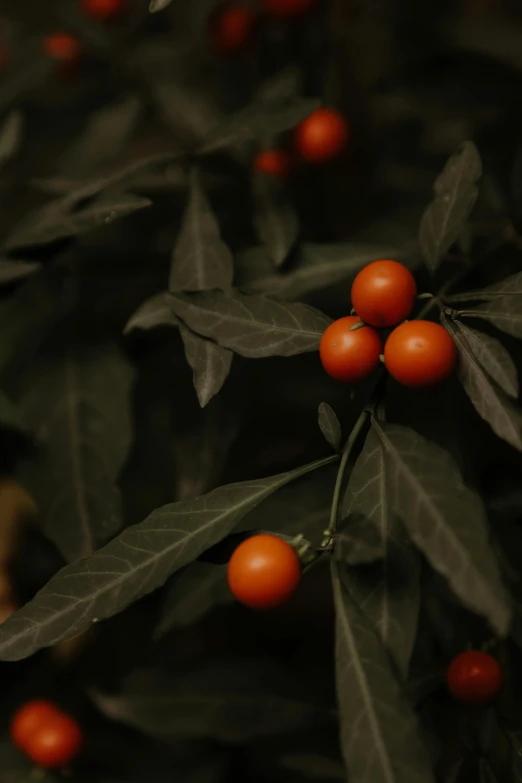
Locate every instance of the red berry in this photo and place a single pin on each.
(62, 47)
(273, 162)
(350, 355)
(322, 136)
(28, 719)
(104, 10)
(48, 737)
(264, 572)
(474, 677)
(287, 8)
(231, 28)
(383, 293)
(420, 354)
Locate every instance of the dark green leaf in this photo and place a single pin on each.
(510, 286)
(456, 190)
(484, 366)
(191, 594)
(230, 701)
(10, 418)
(505, 313)
(137, 562)
(189, 111)
(53, 222)
(359, 542)
(152, 313)
(311, 765)
(12, 271)
(105, 135)
(10, 134)
(445, 519)
(210, 362)
(252, 325)
(259, 120)
(201, 260)
(388, 596)
(275, 219)
(158, 5)
(329, 426)
(380, 738)
(79, 407)
(284, 86)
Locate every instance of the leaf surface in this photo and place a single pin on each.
(210, 362)
(504, 312)
(275, 219)
(329, 426)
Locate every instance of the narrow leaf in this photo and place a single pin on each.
(158, 5)
(137, 562)
(510, 286)
(13, 271)
(259, 120)
(329, 426)
(284, 86)
(252, 325)
(505, 313)
(275, 218)
(456, 190)
(445, 519)
(152, 313)
(10, 134)
(201, 260)
(374, 712)
(191, 594)
(210, 362)
(231, 701)
(483, 386)
(389, 595)
(79, 407)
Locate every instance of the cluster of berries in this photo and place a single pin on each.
(417, 353)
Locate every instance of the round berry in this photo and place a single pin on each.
(383, 293)
(419, 354)
(264, 572)
(474, 677)
(231, 28)
(104, 10)
(275, 163)
(350, 355)
(287, 8)
(322, 136)
(28, 719)
(62, 47)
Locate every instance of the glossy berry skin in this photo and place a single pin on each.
(263, 572)
(322, 136)
(28, 719)
(474, 677)
(62, 47)
(104, 10)
(350, 356)
(287, 8)
(231, 28)
(383, 293)
(56, 743)
(419, 354)
(275, 163)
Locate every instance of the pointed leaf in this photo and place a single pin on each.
(329, 426)
(481, 384)
(188, 110)
(275, 218)
(211, 364)
(79, 407)
(389, 595)
(13, 271)
(158, 5)
(193, 593)
(510, 286)
(505, 313)
(284, 86)
(10, 134)
(201, 260)
(230, 701)
(456, 190)
(137, 562)
(252, 325)
(445, 519)
(374, 712)
(152, 313)
(259, 120)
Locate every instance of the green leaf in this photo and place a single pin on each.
(13, 271)
(140, 560)
(375, 715)
(229, 701)
(210, 362)
(200, 260)
(359, 542)
(258, 120)
(158, 5)
(10, 418)
(456, 190)
(510, 286)
(252, 325)
(285, 86)
(329, 426)
(152, 313)
(275, 219)
(105, 135)
(53, 222)
(505, 313)
(186, 108)
(486, 371)
(389, 595)
(79, 407)
(312, 765)
(445, 519)
(10, 134)
(191, 594)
